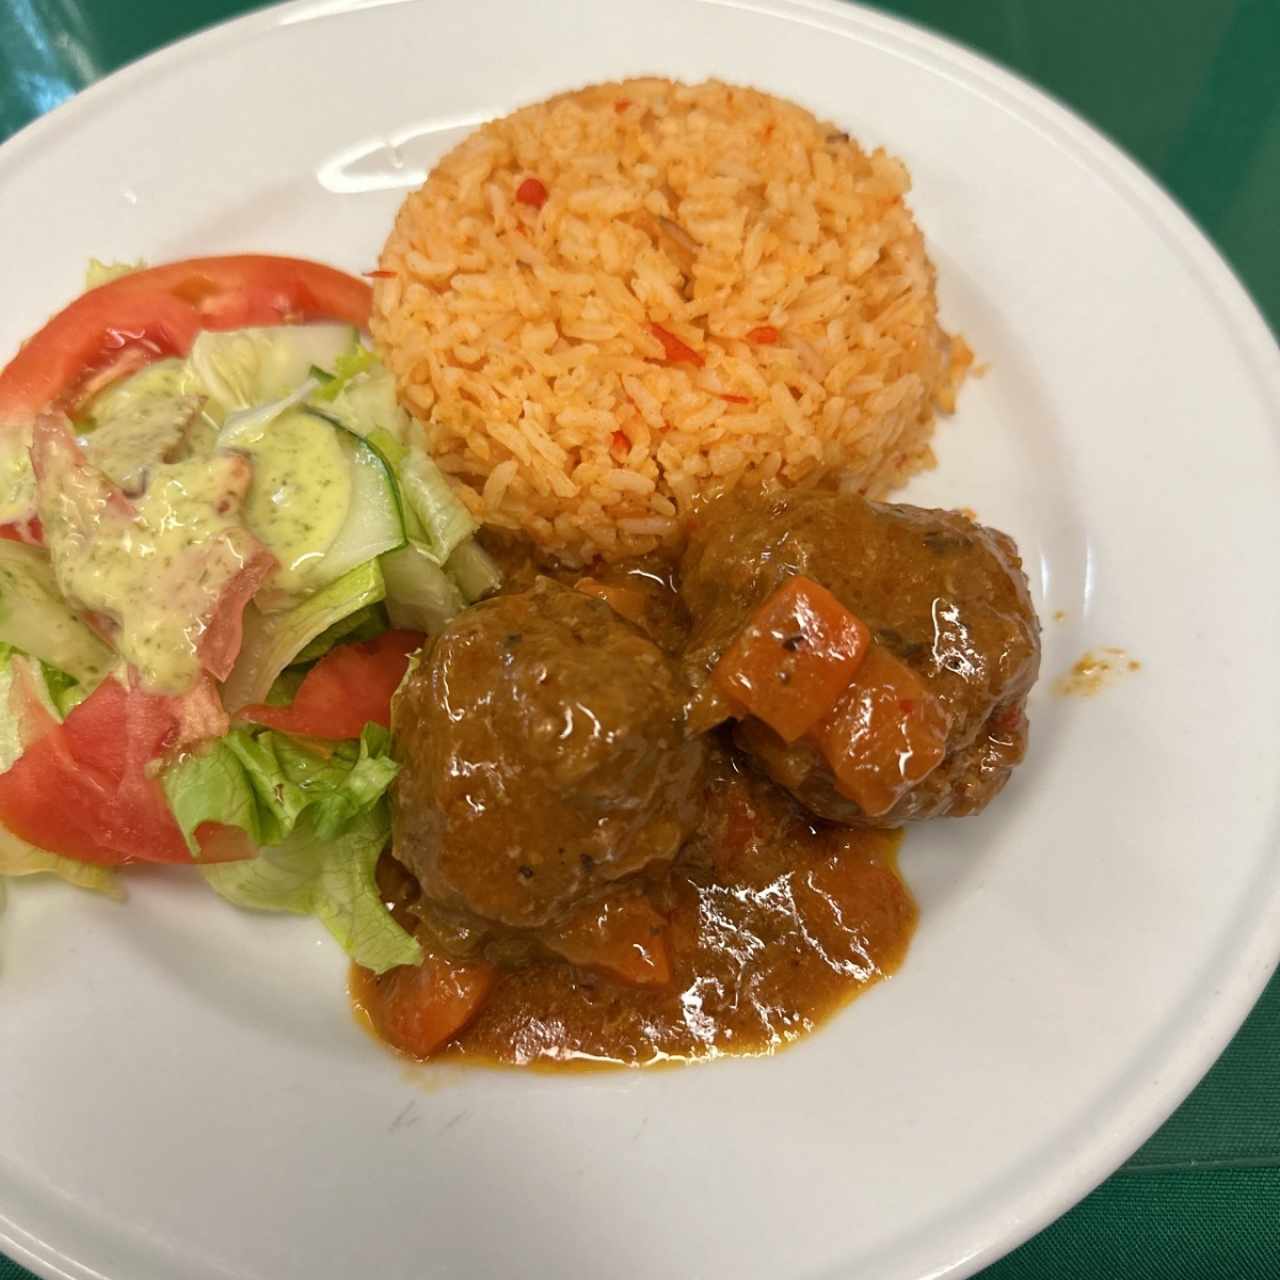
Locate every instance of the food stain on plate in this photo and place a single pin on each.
(1094, 671)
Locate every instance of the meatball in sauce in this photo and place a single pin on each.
(611, 857)
(545, 757)
(944, 596)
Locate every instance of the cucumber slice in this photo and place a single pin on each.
(273, 640)
(375, 521)
(300, 499)
(367, 408)
(323, 501)
(36, 619)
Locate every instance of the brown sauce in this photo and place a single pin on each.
(1094, 671)
(774, 924)
(773, 919)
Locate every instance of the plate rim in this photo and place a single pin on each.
(1253, 959)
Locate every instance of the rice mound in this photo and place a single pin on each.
(611, 305)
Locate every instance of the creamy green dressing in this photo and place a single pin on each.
(300, 495)
(17, 480)
(157, 572)
(154, 431)
(154, 567)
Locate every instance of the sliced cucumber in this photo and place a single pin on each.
(300, 499)
(367, 407)
(323, 501)
(375, 522)
(35, 618)
(273, 640)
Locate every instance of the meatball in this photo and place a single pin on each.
(941, 593)
(543, 755)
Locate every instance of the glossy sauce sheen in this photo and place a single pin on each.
(774, 921)
(773, 926)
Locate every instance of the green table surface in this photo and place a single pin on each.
(1191, 89)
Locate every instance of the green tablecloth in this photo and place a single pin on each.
(1192, 89)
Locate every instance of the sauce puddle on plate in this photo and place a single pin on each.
(774, 924)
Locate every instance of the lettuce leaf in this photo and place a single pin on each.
(99, 273)
(356, 360)
(363, 624)
(329, 878)
(445, 522)
(320, 821)
(263, 781)
(18, 858)
(272, 641)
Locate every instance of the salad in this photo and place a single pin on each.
(221, 541)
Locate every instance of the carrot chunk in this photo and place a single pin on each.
(887, 733)
(794, 659)
(418, 1008)
(623, 936)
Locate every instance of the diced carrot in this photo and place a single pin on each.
(677, 352)
(418, 1008)
(886, 734)
(531, 191)
(794, 658)
(621, 105)
(625, 601)
(724, 395)
(618, 442)
(765, 335)
(623, 936)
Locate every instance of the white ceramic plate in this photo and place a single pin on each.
(182, 1090)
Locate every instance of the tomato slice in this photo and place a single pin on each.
(220, 645)
(158, 312)
(86, 788)
(350, 686)
(28, 531)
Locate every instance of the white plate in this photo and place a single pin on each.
(182, 1091)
